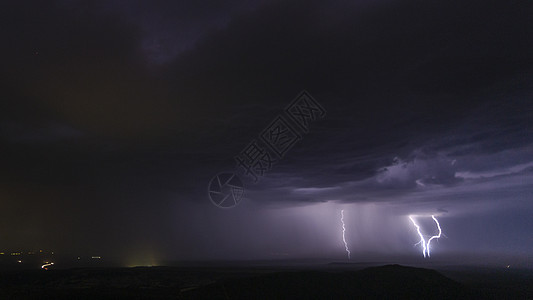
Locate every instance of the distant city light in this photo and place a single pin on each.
(46, 265)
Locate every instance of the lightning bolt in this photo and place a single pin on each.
(422, 241)
(425, 246)
(435, 236)
(343, 234)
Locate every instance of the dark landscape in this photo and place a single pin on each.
(334, 281)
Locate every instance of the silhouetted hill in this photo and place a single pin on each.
(326, 282)
(391, 281)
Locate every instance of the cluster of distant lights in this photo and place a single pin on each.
(21, 253)
(46, 264)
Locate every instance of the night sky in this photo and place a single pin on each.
(115, 116)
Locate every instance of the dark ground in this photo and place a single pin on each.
(334, 281)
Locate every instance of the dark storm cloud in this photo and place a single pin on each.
(122, 112)
(172, 27)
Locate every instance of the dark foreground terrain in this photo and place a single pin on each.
(384, 282)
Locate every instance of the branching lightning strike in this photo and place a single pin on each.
(343, 234)
(435, 236)
(425, 246)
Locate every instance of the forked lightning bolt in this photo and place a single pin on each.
(435, 236)
(426, 246)
(343, 234)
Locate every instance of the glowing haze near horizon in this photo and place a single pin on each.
(116, 115)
